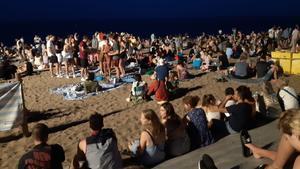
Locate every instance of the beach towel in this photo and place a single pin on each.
(251, 81)
(11, 106)
(69, 91)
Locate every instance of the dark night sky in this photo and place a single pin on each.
(16, 10)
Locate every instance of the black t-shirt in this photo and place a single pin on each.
(224, 62)
(240, 116)
(43, 156)
(262, 68)
(29, 68)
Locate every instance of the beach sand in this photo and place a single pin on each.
(68, 120)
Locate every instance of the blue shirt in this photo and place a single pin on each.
(198, 122)
(229, 52)
(162, 72)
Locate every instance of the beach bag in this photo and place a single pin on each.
(79, 87)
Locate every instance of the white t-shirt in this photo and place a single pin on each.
(289, 101)
(213, 115)
(230, 103)
(271, 33)
(295, 34)
(50, 48)
(101, 44)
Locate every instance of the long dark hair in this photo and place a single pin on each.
(208, 99)
(155, 127)
(173, 118)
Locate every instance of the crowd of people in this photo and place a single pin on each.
(205, 121)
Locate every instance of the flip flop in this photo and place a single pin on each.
(245, 139)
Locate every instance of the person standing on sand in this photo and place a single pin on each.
(42, 155)
(295, 38)
(68, 58)
(101, 45)
(21, 48)
(115, 54)
(83, 58)
(51, 55)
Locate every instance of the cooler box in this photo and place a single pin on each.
(296, 64)
(286, 65)
(197, 63)
(281, 55)
(284, 59)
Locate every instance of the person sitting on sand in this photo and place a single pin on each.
(269, 95)
(150, 148)
(229, 92)
(42, 155)
(175, 131)
(211, 109)
(249, 99)
(240, 69)
(90, 85)
(159, 91)
(287, 96)
(206, 58)
(266, 69)
(240, 114)
(196, 122)
(182, 71)
(172, 83)
(223, 60)
(100, 149)
(289, 142)
(7, 70)
(161, 70)
(25, 69)
(138, 89)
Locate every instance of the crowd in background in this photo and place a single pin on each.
(206, 120)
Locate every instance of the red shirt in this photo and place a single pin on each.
(159, 89)
(83, 53)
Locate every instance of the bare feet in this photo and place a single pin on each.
(254, 150)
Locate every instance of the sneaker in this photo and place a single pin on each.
(83, 79)
(245, 139)
(67, 77)
(206, 163)
(59, 76)
(74, 76)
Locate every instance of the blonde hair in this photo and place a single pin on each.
(289, 122)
